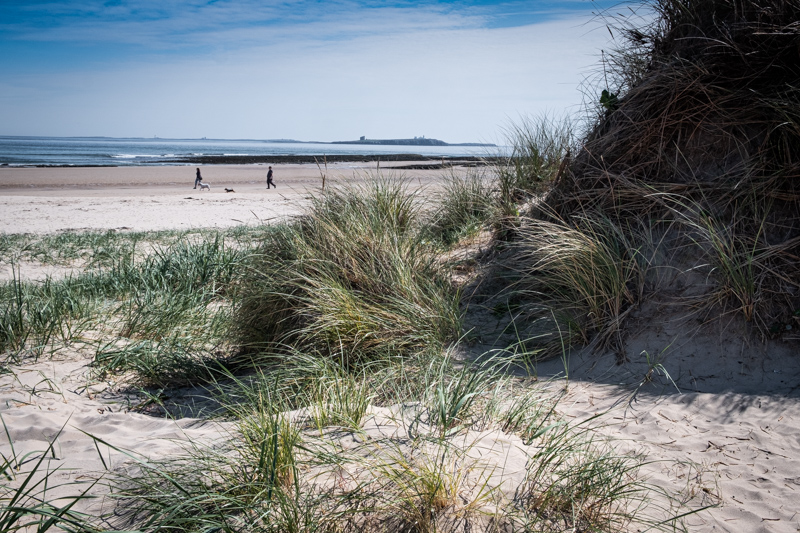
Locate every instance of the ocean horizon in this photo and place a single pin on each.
(22, 151)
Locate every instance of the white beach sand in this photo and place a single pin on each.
(724, 427)
(43, 200)
(726, 433)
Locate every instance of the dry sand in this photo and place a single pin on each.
(723, 429)
(724, 426)
(44, 200)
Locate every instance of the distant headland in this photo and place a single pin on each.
(416, 141)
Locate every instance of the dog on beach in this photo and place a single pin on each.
(229, 190)
(205, 186)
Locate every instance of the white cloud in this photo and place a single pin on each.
(159, 25)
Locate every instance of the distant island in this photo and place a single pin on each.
(416, 141)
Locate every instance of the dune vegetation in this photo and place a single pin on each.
(330, 342)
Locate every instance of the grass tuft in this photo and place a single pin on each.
(587, 275)
(465, 205)
(353, 274)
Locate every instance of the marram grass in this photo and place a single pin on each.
(278, 471)
(352, 273)
(586, 274)
(340, 312)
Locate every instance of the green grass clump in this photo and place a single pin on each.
(173, 318)
(170, 362)
(586, 276)
(574, 483)
(250, 483)
(465, 205)
(452, 397)
(539, 148)
(35, 315)
(353, 274)
(290, 464)
(165, 317)
(183, 267)
(426, 486)
(338, 399)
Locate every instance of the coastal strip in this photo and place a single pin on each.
(148, 198)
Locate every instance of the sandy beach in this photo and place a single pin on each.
(721, 429)
(42, 200)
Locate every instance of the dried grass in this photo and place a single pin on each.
(707, 110)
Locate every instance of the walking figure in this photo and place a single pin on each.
(269, 179)
(198, 179)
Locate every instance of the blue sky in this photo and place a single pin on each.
(457, 70)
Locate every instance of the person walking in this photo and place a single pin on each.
(269, 179)
(198, 179)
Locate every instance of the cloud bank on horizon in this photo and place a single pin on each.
(457, 70)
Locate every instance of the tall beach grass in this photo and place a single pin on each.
(355, 275)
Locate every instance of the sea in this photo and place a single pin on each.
(108, 151)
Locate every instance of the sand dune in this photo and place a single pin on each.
(723, 428)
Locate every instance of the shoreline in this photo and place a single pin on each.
(210, 160)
